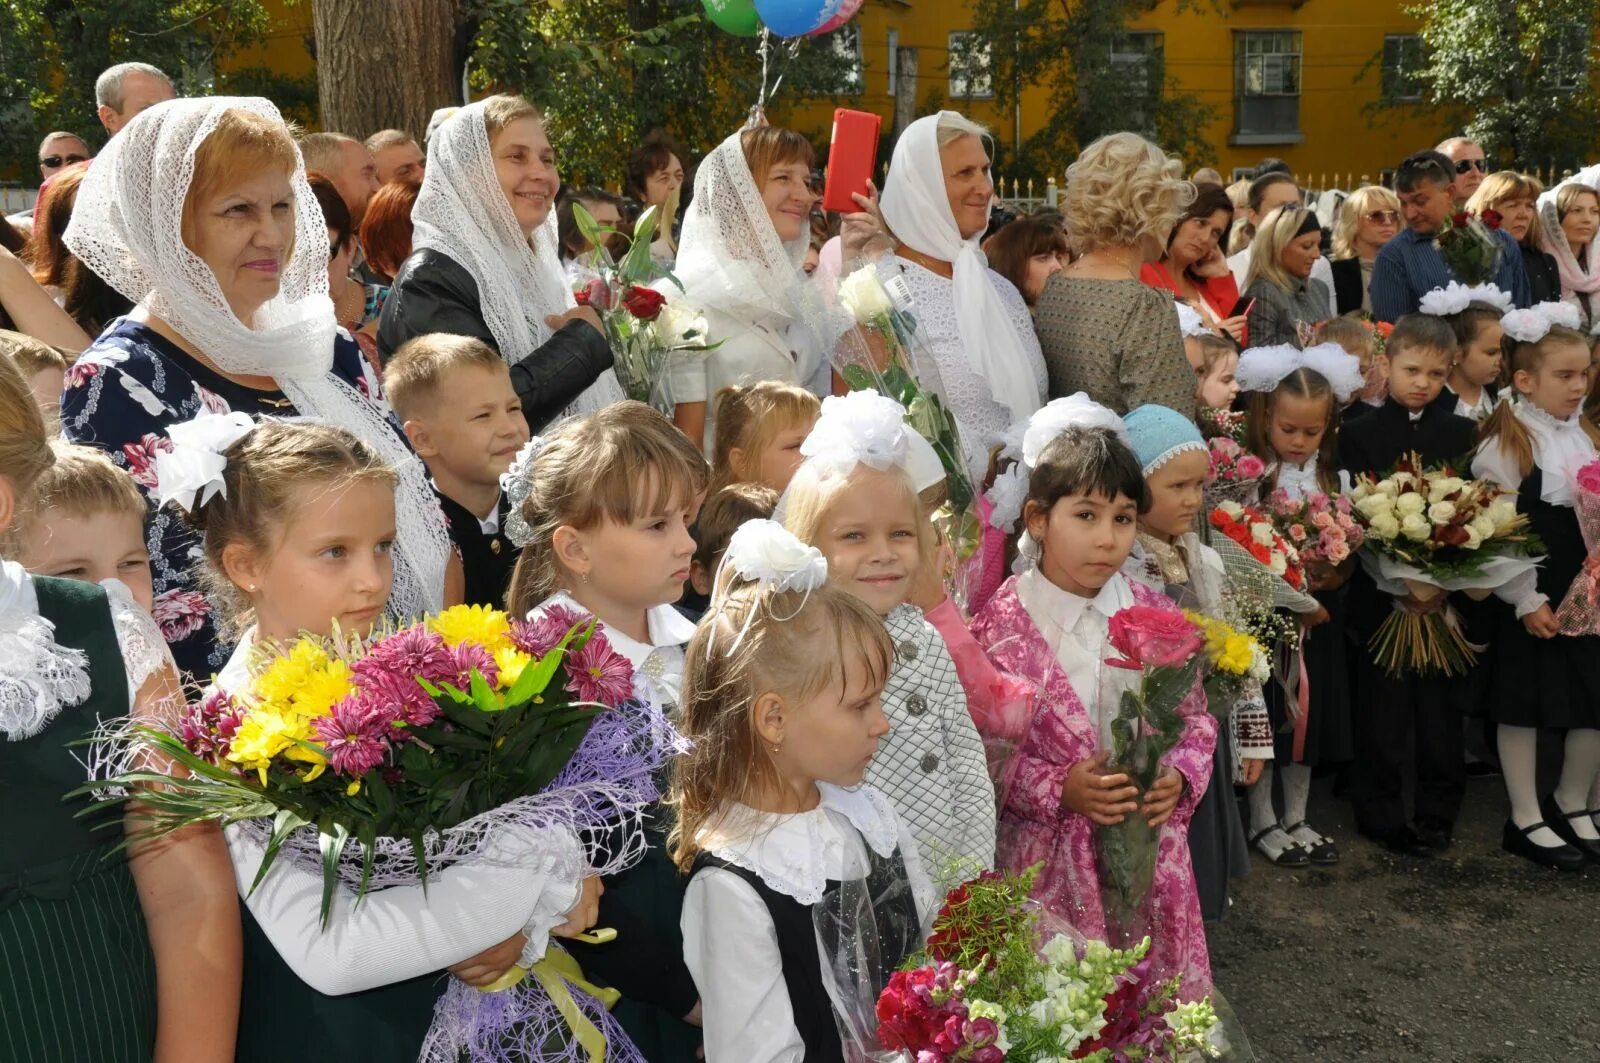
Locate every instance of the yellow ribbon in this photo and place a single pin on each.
(556, 972)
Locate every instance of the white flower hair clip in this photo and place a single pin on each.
(1190, 323)
(1027, 440)
(1263, 368)
(1456, 297)
(766, 553)
(1534, 323)
(867, 428)
(517, 482)
(190, 474)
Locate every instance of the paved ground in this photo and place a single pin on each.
(1473, 956)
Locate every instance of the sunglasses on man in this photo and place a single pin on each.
(1481, 165)
(54, 161)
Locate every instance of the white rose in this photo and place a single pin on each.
(1362, 490)
(1385, 526)
(677, 325)
(864, 295)
(1410, 505)
(1474, 537)
(1261, 533)
(1372, 505)
(1403, 479)
(1387, 487)
(1278, 564)
(1233, 509)
(1443, 487)
(1415, 528)
(1484, 525)
(1441, 512)
(1503, 511)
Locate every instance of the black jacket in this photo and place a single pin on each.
(434, 293)
(1348, 288)
(1544, 277)
(487, 559)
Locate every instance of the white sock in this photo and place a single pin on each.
(1296, 792)
(1262, 817)
(1519, 763)
(1578, 773)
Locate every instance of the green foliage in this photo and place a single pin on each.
(1065, 47)
(51, 51)
(1513, 75)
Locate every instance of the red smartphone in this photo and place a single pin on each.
(853, 154)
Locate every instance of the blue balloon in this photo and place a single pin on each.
(795, 18)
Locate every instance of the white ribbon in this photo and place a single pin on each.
(190, 474)
(867, 428)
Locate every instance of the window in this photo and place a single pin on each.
(1564, 59)
(969, 67)
(894, 61)
(1402, 61)
(1136, 70)
(1266, 87)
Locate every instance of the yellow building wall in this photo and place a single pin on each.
(284, 49)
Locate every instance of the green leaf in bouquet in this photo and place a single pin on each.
(644, 229)
(859, 378)
(1165, 688)
(419, 854)
(483, 698)
(593, 231)
(367, 835)
(636, 266)
(331, 838)
(285, 823)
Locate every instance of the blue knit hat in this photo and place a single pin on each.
(1158, 434)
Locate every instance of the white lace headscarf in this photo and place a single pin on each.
(917, 210)
(461, 211)
(127, 226)
(730, 258)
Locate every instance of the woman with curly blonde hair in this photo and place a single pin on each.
(1102, 330)
(1369, 219)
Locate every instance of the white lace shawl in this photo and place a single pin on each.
(731, 261)
(127, 227)
(462, 212)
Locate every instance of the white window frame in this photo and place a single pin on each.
(1397, 74)
(982, 87)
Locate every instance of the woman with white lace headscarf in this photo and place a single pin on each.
(199, 212)
(936, 205)
(739, 260)
(485, 262)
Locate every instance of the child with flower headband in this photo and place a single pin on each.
(1169, 557)
(1082, 494)
(1474, 313)
(297, 520)
(856, 500)
(1295, 400)
(786, 848)
(1534, 446)
(109, 956)
(601, 508)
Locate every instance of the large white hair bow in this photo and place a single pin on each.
(766, 553)
(1027, 440)
(867, 428)
(1263, 368)
(1456, 297)
(190, 474)
(1534, 323)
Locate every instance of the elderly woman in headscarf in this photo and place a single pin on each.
(199, 212)
(936, 203)
(1569, 221)
(740, 263)
(485, 262)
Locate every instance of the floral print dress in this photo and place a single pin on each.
(121, 396)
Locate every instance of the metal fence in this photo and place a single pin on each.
(15, 199)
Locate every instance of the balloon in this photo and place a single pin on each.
(847, 11)
(737, 17)
(795, 18)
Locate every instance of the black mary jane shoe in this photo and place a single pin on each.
(1402, 841)
(1292, 856)
(1324, 853)
(1561, 824)
(1514, 840)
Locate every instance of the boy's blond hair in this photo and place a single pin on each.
(81, 482)
(412, 375)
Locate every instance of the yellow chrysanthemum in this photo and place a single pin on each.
(476, 624)
(262, 735)
(281, 679)
(322, 688)
(510, 662)
(1237, 652)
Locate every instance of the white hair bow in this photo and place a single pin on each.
(767, 553)
(1263, 368)
(1456, 297)
(1190, 323)
(1534, 323)
(190, 474)
(867, 428)
(1027, 440)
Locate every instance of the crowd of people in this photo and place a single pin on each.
(258, 384)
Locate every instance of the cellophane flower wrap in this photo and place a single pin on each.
(1470, 246)
(882, 349)
(1166, 649)
(645, 323)
(993, 985)
(1430, 531)
(1217, 422)
(1579, 613)
(1234, 474)
(379, 762)
(1253, 531)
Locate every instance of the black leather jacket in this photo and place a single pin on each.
(434, 293)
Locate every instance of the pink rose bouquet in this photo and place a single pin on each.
(1580, 609)
(1321, 529)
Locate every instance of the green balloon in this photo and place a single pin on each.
(737, 17)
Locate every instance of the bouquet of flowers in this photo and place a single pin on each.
(1234, 474)
(1235, 662)
(1216, 422)
(1324, 530)
(644, 327)
(1471, 246)
(1429, 531)
(993, 987)
(1580, 609)
(1254, 532)
(380, 762)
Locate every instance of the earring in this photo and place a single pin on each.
(586, 577)
(776, 749)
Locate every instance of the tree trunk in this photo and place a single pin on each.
(384, 64)
(905, 89)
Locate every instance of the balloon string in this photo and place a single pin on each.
(758, 115)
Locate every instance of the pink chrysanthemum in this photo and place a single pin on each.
(353, 734)
(541, 634)
(468, 658)
(415, 653)
(402, 698)
(208, 731)
(599, 673)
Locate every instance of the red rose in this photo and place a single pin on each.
(581, 297)
(1459, 219)
(1261, 553)
(597, 295)
(643, 303)
(1491, 218)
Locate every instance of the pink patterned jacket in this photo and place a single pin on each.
(1035, 828)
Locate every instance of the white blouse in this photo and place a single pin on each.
(748, 351)
(1298, 481)
(1076, 629)
(729, 942)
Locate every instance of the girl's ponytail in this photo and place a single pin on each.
(1512, 438)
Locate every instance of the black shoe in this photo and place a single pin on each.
(1292, 856)
(1561, 824)
(1435, 833)
(1402, 841)
(1514, 840)
(1323, 853)
(1482, 769)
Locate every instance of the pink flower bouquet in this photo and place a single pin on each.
(1580, 609)
(1321, 529)
(1235, 473)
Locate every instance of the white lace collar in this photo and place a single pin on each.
(796, 853)
(1560, 449)
(1299, 480)
(38, 677)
